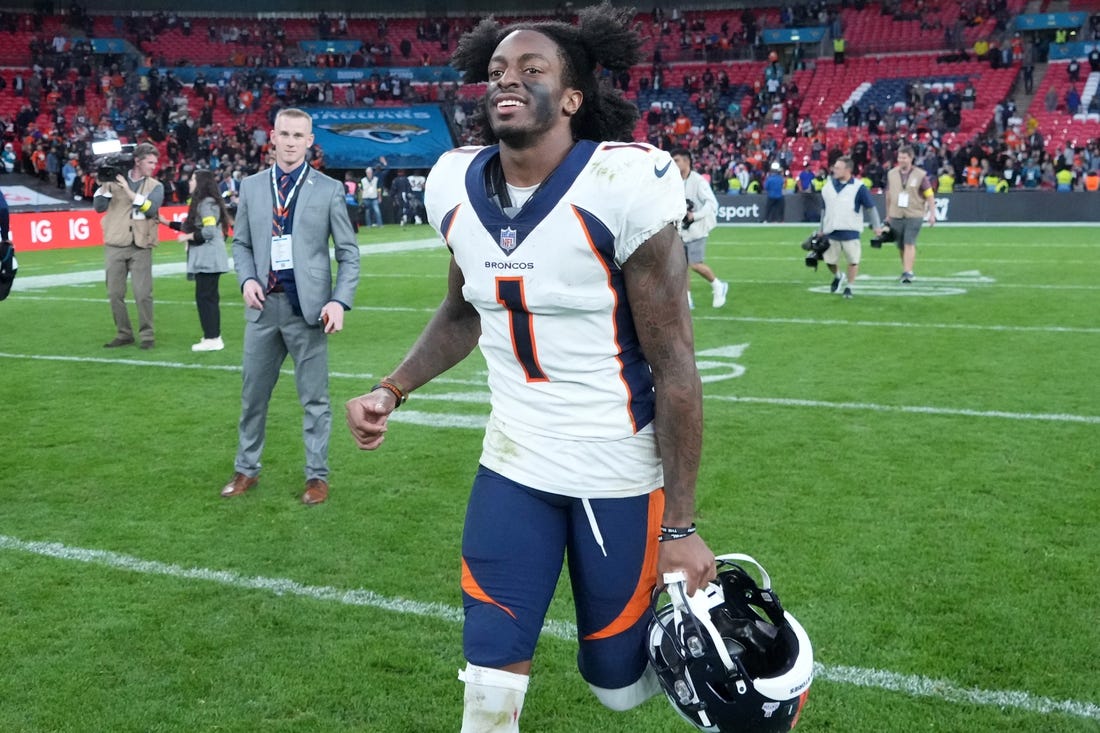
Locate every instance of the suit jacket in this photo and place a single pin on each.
(319, 213)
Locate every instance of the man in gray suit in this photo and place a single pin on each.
(285, 217)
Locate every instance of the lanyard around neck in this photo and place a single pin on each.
(281, 209)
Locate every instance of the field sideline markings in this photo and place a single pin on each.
(912, 685)
(34, 282)
(37, 289)
(901, 324)
(482, 397)
(938, 260)
(996, 285)
(912, 409)
(698, 317)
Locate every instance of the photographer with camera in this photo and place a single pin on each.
(129, 202)
(846, 199)
(701, 218)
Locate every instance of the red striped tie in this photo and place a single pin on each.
(276, 222)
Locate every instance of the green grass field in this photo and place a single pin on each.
(916, 467)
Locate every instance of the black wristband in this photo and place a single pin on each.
(398, 392)
(675, 533)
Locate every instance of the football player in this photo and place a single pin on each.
(568, 272)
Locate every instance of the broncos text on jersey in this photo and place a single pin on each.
(572, 394)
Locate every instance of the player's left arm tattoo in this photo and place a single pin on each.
(656, 286)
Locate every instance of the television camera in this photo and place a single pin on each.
(686, 221)
(888, 235)
(815, 245)
(112, 158)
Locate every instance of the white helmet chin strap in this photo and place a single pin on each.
(698, 605)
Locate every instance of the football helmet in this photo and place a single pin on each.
(728, 657)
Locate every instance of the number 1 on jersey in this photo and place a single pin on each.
(510, 295)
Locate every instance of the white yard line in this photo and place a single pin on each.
(912, 685)
(698, 316)
(37, 282)
(912, 409)
(897, 324)
(481, 397)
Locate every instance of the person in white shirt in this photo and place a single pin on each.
(368, 192)
(846, 199)
(700, 219)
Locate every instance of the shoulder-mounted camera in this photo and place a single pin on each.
(112, 158)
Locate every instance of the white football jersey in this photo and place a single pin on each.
(572, 394)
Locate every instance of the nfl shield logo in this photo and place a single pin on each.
(508, 239)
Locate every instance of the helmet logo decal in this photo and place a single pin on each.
(769, 708)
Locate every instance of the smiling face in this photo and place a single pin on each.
(526, 98)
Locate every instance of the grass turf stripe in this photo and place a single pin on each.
(912, 685)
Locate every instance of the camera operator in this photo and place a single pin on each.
(846, 199)
(130, 202)
(909, 201)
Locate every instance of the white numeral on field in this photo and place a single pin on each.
(718, 364)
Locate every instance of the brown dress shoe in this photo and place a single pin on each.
(239, 484)
(116, 342)
(316, 491)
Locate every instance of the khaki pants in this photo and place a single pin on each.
(138, 263)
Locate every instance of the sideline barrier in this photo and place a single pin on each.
(81, 227)
(1022, 207)
(75, 228)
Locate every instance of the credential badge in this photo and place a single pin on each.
(508, 239)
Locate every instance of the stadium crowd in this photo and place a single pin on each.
(222, 123)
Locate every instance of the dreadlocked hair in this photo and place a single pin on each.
(604, 37)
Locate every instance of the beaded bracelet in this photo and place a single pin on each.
(675, 533)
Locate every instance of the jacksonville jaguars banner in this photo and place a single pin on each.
(407, 137)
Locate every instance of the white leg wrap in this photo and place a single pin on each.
(631, 696)
(493, 699)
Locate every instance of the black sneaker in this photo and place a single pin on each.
(847, 293)
(906, 278)
(835, 284)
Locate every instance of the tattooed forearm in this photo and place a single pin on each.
(656, 280)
